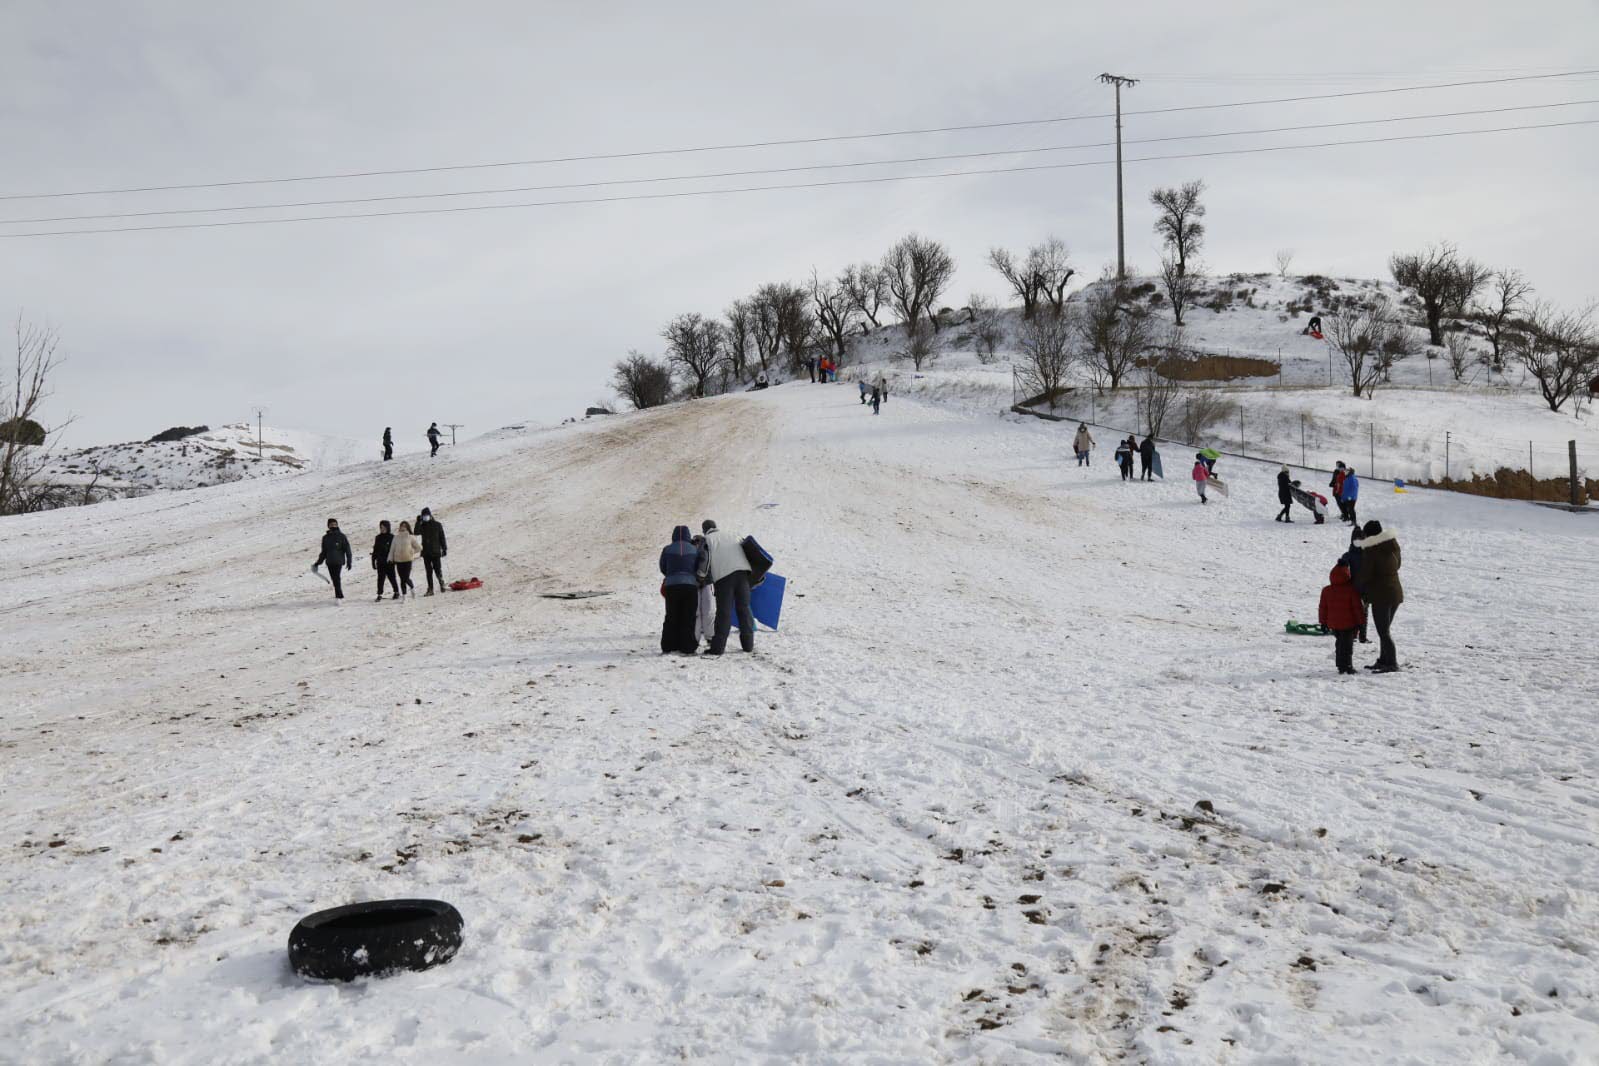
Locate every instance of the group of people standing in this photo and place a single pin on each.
(1346, 490)
(433, 436)
(875, 392)
(823, 369)
(393, 554)
(1365, 577)
(705, 579)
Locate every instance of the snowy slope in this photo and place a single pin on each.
(215, 457)
(1031, 773)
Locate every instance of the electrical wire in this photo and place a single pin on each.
(638, 154)
(295, 205)
(786, 187)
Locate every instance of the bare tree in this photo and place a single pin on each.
(834, 309)
(1359, 334)
(916, 271)
(1506, 298)
(1048, 344)
(1113, 336)
(1460, 354)
(1285, 261)
(1162, 382)
(920, 345)
(642, 381)
(1181, 287)
(23, 456)
(1051, 264)
(1177, 223)
(986, 329)
(1022, 279)
(1560, 350)
(1444, 280)
(867, 290)
(737, 336)
(1201, 409)
(694, 346)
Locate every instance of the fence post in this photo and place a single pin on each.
(1532, 482)
(1302, 439)
(1576, 496)
(1446, 456)
(1241, 449)
(1329, 366)
(1371, 469)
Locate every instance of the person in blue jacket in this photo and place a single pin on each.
(680, 565)
(1347, 495)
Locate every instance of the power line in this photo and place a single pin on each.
(784, 170)
(833, 138)
(792, 186)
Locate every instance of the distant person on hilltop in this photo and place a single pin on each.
(433, 439)
(402, 553)
(382, 544)
(434, 548)
(336, 553)
(388, 443)
(1082, 443)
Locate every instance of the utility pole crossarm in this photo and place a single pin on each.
(1118, 81)
(452, 427)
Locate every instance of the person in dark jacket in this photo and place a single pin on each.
(680, 584)
(434, 548)
(380, 561)
(433, 439)
(388, 443)
(1285, 494)
(1146, 459)
(1351, 559)
(1342, 612)
(336, 553)
(1379, 586)
(1337, 485)
(1124, 457)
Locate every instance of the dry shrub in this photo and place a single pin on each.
(1212, 367)
(1508, 484)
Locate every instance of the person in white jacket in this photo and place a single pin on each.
(730, 575)
(402, 553)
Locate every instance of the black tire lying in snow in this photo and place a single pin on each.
(375, 938)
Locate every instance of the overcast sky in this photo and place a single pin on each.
(496, 317)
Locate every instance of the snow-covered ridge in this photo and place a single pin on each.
(215, 457)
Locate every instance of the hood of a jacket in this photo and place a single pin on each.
(1339, 575)
(1372, 541)
(681, 534)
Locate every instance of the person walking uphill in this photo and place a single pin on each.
(388, 443)
(1082, 444)
(1124, 458)
(336, 553)
(1146, 459)
(680, 563)
(1342, 612)
(730, 574)
(433, 439)
(382, 544)
(1285, 494)
(434, 548)
(1378, 581)
(402, 553)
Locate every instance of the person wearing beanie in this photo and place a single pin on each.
(434, 548)
(1285, 494)
(1378, 581)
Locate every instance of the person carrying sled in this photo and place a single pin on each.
(434, 548)
(388, 443)
(381, 545)
(1343, 613)
(1316, 505)
(402, 553)
(1146, 459)
(680, 563)
(1378, 579)
(336, 553)
(1210, 455)
(1082, 444)
(1124, 458)
(730, 574)
(433, 439)
(1201, 476)
(1348, 494)
(1285, 494)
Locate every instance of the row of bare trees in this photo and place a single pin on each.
(1105, 333)
(785, 325)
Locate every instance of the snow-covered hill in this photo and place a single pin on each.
(1030, 774)
(217, 456)
(1422, 425)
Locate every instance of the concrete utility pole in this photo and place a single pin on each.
(452, 427)
(259, 411)
(1121, 238)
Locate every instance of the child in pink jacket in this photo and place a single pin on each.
(1201, 476)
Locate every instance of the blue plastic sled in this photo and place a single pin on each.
(766, 601)
(1154, 466)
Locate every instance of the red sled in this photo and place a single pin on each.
(463, 586)
(1316, 335)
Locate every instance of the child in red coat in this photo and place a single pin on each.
(1342, 612)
